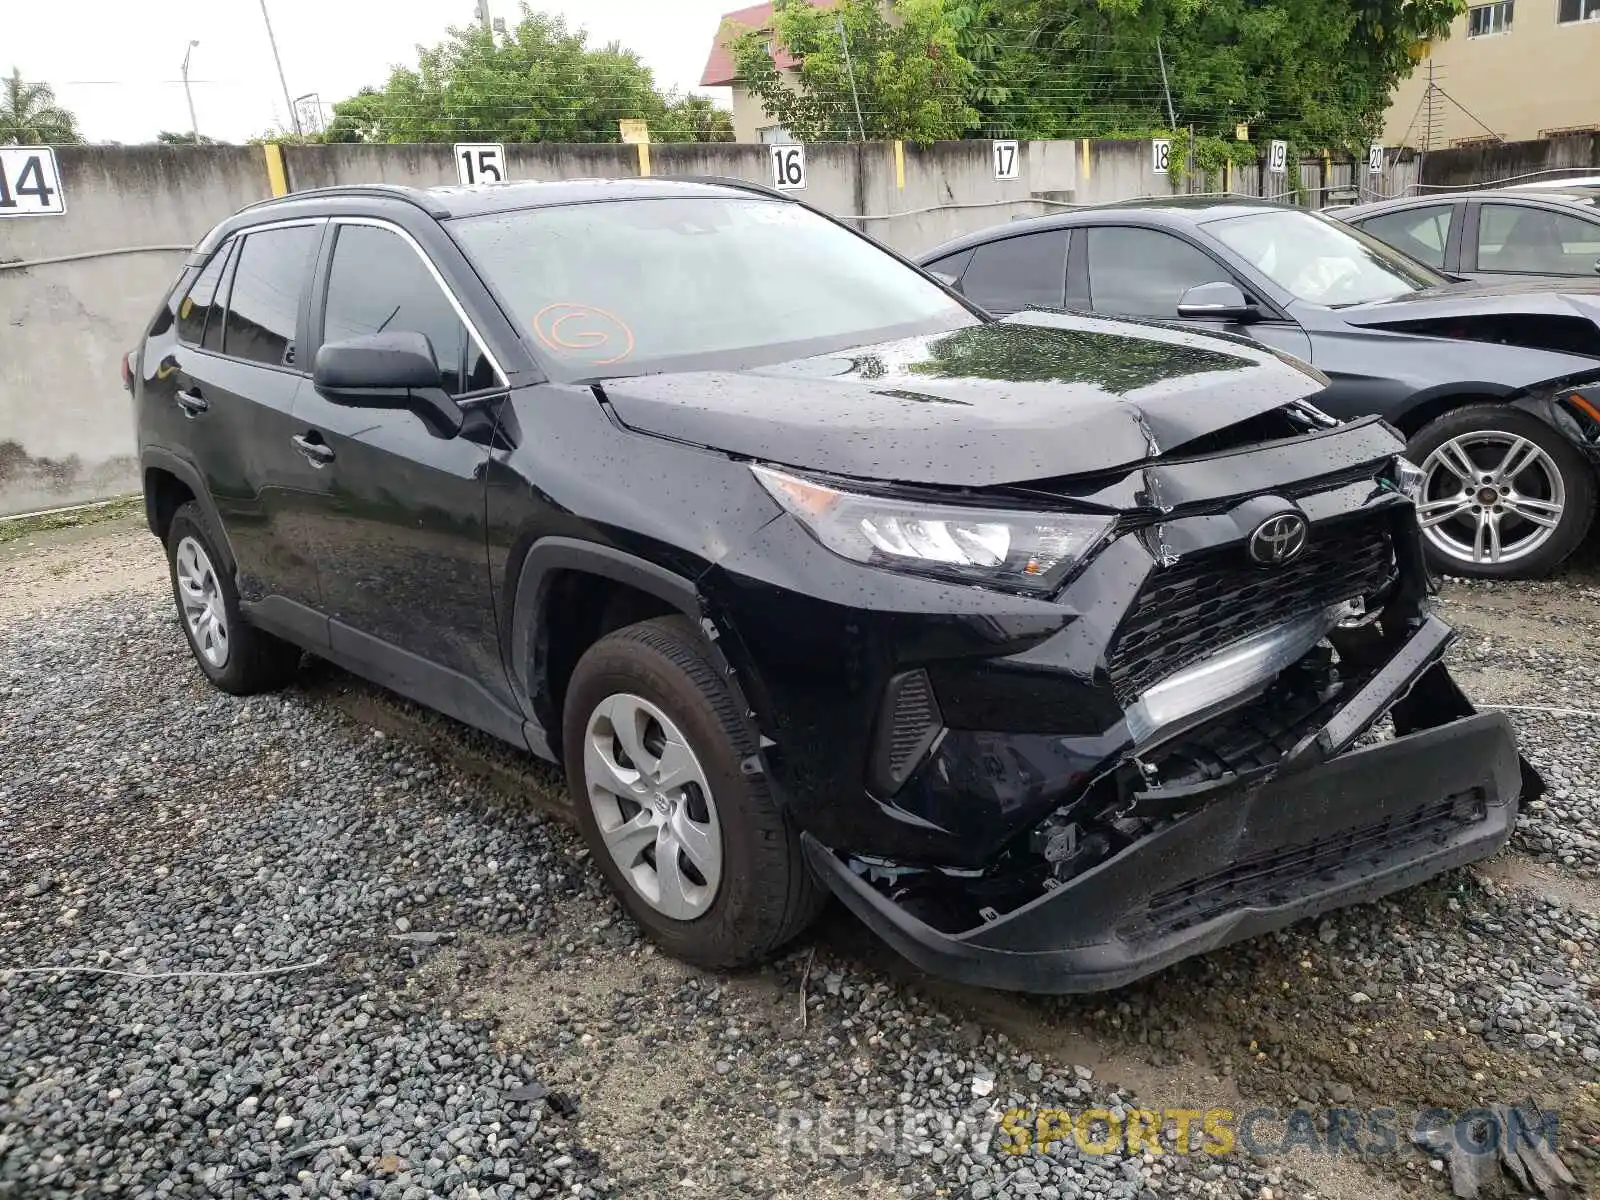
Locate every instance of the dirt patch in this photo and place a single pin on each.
(56, 567)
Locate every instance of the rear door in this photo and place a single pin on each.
(234, 375)
(397, 521)
(1010, 274)
(1510, 240)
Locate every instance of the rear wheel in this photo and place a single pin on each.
(234, 655)
(1505, 496)
(696, 848)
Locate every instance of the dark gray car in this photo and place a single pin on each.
(1495, 386)
(1495, 236)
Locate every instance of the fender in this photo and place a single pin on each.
(157, 459)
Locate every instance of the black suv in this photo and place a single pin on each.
(1055, 646)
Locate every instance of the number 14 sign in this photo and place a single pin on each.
(30, 185)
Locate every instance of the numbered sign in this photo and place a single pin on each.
(1278, 158)
(1006, 165)
(1375, 160)
(1160, 155)
(789, 167)
(480, 162)
(30, 186)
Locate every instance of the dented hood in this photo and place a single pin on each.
(1035, 396)
(1553, 297)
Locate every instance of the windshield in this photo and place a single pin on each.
(626, 287)
(1320, 261)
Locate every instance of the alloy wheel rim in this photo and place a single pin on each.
(653, 806)
(1490, 497)
(200, 594)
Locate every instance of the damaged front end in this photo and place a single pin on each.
(1234, 734)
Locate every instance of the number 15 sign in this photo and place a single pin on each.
(30, 186)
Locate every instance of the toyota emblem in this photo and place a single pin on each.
(1278, 539)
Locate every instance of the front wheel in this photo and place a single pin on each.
(696, 848)
(1505, 496)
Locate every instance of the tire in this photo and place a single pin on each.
(1556, 478)
(251, 660)
(763, 894)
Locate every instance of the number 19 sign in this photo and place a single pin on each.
(789, 167)
(30, 185)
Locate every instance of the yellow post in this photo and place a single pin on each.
(1086, 169)
(637, 132)
(1227, 174)
(276, 179)
(644, 158)
(900, 165)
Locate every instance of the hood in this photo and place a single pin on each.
(1545, 297)
(1032, 397)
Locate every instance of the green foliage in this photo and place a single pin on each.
(30, 116)
(911, 79)
(692, 119)
(541, 82)
(1317, 72)
(168, 138)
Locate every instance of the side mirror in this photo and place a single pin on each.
(387, 370)
(1217, 302)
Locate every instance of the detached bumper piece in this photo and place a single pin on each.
(1363, 825)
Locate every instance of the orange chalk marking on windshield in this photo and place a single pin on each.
(548, 322)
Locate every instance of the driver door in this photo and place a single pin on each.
(1130, 271)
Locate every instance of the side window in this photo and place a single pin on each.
(1423, 233)
(950, 266)
(1019, 271)
(377, 284)
(1143, 272)
(219, 307)
(194, 308)
(1536, 241)
(264, 304)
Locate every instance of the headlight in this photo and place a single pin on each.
(1409, 479)
(1024, 551)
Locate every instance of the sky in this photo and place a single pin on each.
(117, 63)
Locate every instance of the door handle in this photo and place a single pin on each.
(192, 403)
(318, 454)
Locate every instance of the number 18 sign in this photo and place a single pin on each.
(30, 185)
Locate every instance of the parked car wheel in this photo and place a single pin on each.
(697, 849)
(233, 654)
(1505, 495)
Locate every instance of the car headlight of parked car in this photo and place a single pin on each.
(1023, 551)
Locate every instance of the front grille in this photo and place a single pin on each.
(1277, 877)
(909, 722)
(1194, 608)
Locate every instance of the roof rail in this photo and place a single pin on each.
(387, 191)
(727, 181)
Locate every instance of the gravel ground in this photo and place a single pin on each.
(458, 1009)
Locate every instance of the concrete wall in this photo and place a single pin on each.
(66, 430)
(1537, 76)
(1518, 162)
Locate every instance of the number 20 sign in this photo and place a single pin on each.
(30, 185)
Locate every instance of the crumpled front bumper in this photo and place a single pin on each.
(1332, 826)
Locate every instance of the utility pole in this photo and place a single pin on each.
(194, 126)
(861, 127)
(1172, 117)
(482, 13)
(294, 117)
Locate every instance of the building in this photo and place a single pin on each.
(751, 122)
(1511, 70)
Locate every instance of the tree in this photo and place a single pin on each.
(168, 138)
(909, 75)
(30, 116)
(693, 119)
(539, 83)
(1316, 72)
